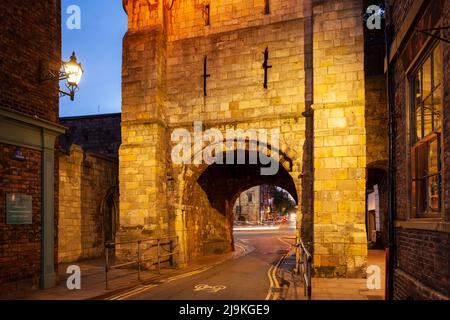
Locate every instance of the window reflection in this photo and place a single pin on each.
(427, 124)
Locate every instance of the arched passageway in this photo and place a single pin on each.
(377, 205)
(109, 211)
(210, 195)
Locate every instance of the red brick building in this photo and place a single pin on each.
(30, 41)
(419, 71)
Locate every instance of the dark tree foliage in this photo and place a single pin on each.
(284, 203)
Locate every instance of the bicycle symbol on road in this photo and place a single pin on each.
(208, 288)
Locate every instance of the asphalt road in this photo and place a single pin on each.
(249, 277)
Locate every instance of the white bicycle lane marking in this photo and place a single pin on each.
(208, 288)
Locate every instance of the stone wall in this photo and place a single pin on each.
(340, 156)
(88, 199)
(207, 232)
(376, 112)
(97, 133)
(422, 245)
(377, 121)
(86, 182)
(164, 52)
(377, 124)
(235, 89)
(187, 18)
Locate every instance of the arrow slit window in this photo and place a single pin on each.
(426, 158)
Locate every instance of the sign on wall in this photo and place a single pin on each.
(19, 209)
(18, 155)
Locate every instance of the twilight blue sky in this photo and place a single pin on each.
(98, 46)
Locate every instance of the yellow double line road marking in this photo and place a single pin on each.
(269, 274)
(274, 284)
(272, 274)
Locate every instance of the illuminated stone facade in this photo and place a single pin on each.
(163, 89)
(247, 207)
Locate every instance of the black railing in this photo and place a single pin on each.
(303, 267)
(163, 254)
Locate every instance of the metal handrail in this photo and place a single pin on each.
(112, 243)
(304, 266)
(172, 242)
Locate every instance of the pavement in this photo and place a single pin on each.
(260, 268)
(120, 280)
(334, 288)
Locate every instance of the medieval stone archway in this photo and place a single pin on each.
(174, 76)
(205, 221)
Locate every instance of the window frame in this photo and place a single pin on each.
(426, 138)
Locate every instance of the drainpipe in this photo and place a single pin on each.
(391, 193)
(307, 176)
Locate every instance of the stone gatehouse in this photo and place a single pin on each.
(293, 66)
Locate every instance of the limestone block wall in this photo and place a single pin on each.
(207, 230)
(95, 133)
(69, 226)
(143, 167)
(340, 245)
(142, 76)
(376, 113)
(153, 106)
(235, 87)
(164, 53)
(376, 120)
(143, 153)
(187, 18)
(85, 181)
(235, 94)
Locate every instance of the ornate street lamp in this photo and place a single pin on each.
(72, 72)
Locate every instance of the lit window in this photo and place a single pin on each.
(427, 131)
